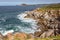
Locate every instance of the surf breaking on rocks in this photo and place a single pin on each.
(27, 29)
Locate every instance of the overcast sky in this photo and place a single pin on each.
(15, 2)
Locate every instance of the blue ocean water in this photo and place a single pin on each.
(10, 20)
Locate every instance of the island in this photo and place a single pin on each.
(23, 4)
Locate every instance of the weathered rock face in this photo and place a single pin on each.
(9, 36)
(1, 36)
(48, 20)
(20, 36)
(15, 36)
(30, 35)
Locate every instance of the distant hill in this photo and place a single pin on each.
(42, 6)
(48, 5)
(34, 5)
(56, 5)
(23, 5)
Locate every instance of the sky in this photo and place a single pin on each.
(17, 2)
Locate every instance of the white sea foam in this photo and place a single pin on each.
(21, 17)
(31, 29)
(29, 20)
(6, 32)
(26, 29)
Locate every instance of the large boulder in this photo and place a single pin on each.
(20, 36)
(1, 36)
(9, 36)
(37, 33)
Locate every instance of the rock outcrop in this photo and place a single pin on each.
(20, 36)
(16, 36)
(48, 21)
(1, 36)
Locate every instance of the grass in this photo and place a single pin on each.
(49, 7)
(49, 38)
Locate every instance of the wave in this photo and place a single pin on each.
(6, 32)
(2, 20)
(19, 24)
(18, 28)
(32, 22)
(26, 29)
(22, 15)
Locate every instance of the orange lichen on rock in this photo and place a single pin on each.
(21, 36)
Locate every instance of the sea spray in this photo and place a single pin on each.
(19, 24)
(6, 32)
(8, 20)
(33, 22)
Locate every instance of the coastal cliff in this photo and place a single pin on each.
(48, 21)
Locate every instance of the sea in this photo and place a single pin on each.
(12, 19)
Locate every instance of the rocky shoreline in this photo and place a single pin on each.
(48, 21)
(16, 36)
